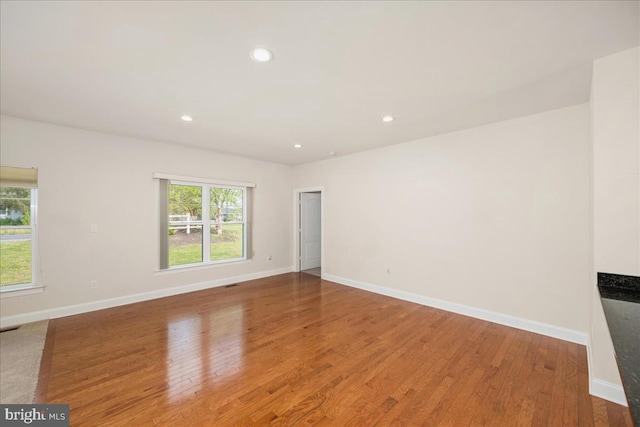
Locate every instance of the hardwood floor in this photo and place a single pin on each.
(294, 350)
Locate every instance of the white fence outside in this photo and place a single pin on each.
(184, 222)
(11, 214)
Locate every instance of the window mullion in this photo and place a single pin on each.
(206, 223)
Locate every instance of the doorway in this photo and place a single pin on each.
(309, 232)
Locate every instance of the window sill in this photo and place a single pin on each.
(187, 268)
(18, 291)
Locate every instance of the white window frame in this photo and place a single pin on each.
(33, 286)
(207, 223)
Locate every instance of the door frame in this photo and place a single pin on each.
(296, 226)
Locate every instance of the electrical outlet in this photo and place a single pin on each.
(93, 284)
(94, 228)
(388, 272)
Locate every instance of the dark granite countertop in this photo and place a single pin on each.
(620, 296)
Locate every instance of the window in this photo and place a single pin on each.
(18, 212)
(202, 222)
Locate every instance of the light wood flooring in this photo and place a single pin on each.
(295, 350)
(314, 271)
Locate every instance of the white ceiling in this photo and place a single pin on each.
(133, 68)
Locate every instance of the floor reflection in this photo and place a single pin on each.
(203, 351)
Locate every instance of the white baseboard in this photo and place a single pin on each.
(491, 316)
(54, 313)
(604, 389)
(607, 391)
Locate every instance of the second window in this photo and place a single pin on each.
(206, 224)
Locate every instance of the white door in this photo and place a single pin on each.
(310, 230)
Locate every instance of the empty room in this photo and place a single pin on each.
(329, 213)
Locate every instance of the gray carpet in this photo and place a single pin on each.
(20, 354)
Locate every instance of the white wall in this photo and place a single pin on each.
(495, 217)
(615, 115)
(88, 177)
(616, 168)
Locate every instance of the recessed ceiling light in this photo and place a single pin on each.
(387, 119)
(261, 55)
(297, 146)
(332, 153)
(187, 118)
